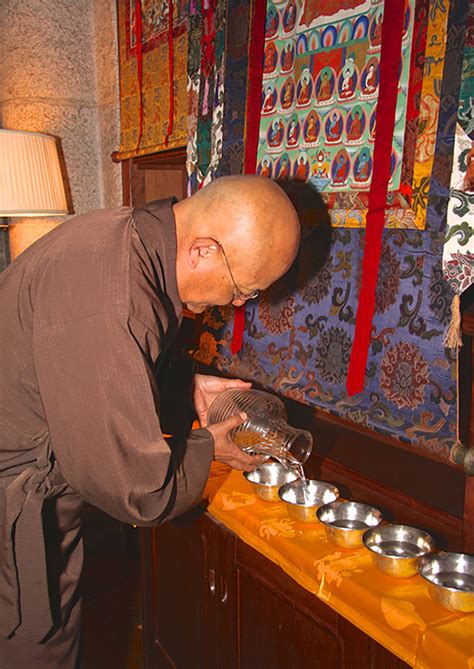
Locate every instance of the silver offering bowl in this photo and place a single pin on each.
(450, 579)
(304, 496)
(346, 522)
(396, 549)
(267, 478)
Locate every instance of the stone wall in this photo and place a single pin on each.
(59, 75)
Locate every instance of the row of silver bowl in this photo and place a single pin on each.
(400, 551)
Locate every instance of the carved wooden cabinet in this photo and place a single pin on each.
(212, 601)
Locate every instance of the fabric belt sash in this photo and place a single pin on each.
(25, 581)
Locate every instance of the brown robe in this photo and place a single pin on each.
(86, 315)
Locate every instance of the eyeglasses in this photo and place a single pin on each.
(237, 293)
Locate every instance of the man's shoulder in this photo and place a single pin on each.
(84, 268)
(97, 224)
(80, 236)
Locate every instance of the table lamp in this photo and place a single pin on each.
(31, 182)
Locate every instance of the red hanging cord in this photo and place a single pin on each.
(392, 32)
(169, 132)
(252, 126)
(254, 85)
(139, 51)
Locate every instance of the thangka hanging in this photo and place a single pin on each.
(320, 92)
(205, 87)
(152, 69)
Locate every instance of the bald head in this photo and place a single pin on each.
(255, 226)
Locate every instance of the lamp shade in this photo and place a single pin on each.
(31, 182)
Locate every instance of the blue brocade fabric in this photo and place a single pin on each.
(298, 339)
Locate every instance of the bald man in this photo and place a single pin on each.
(243, 228)
(88, 314)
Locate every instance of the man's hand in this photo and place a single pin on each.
(206, 389)
(226, 451)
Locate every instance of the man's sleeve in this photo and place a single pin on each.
(98, 395)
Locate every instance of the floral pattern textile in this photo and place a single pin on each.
(458, 256)
(438, 12)
(235, 87)
(298, 337)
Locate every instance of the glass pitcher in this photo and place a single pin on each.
(266, 430)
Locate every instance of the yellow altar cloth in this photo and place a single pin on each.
(397, 613)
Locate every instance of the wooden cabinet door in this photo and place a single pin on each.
(282, 625)
(275, 633)
(221, 636)
(279, 626)
(173, 588)
(189, 594)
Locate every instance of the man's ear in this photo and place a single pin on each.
(202, 249)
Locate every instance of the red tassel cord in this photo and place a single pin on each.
(139, 52)
(252, 127)
(392, 31)
(169, 132)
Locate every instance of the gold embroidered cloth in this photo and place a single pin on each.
(155, 78)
